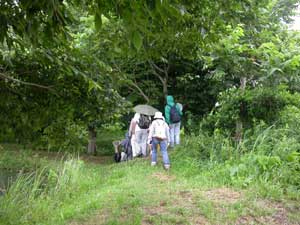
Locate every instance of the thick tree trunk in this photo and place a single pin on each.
(92, 142)
(239, 122)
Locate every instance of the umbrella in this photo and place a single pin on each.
(145, 109)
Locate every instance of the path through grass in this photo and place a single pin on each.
(102, 192)
(135, 193)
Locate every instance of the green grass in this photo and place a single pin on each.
(75, 192)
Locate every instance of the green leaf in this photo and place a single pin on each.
(273, 70)
(93, 85)
(137, 40)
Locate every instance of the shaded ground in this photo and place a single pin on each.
(98, 159)
(84, 157)
(63, 156)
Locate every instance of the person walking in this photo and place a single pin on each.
(173, 113)
(138, 132)
(159, 135)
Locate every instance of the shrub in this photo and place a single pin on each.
(65, 135)
(258, 104)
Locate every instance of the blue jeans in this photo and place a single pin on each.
(163, 149)
(174, 134)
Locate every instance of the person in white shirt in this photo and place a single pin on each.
(138, 137)
(159, 134)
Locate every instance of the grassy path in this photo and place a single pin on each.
(94, 190)
(135, 193)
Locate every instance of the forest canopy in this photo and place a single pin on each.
(71, 67)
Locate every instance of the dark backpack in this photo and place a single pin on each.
(174, 114)
(144, 122)
(117, 157)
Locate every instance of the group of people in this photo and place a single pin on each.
(147, 134)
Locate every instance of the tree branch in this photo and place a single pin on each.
(140, 91)
(5, 77)
(134, 84)
(157, 74)
(155, 66)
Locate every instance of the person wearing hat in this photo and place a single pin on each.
(159, 135)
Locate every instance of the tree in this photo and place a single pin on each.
(238, 56)
(55, 87)
(164, 31)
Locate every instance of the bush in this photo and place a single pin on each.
(290, 120)
(65, 135)
(258, 104)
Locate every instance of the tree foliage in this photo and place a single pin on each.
(69, 65)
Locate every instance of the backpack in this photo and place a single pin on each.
(174, 114)
(144, 122)
(117, 157)
(160, 129)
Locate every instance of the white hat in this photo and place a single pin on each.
(158, 115)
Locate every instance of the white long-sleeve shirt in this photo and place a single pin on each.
(159, 129)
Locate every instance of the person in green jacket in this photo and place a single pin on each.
(173, 114)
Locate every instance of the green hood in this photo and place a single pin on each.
(170, 100)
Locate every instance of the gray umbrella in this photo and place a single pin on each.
(145, 109)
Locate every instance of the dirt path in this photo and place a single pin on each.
(194, 206)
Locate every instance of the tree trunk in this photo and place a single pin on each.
(239, 122)
(165, 88)
(92, 142)
(162, 74)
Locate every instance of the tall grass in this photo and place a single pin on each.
(39, 196)
(265, 156)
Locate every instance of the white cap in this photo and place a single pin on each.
(158, 115)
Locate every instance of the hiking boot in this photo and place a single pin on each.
(167, 166)
(153, 163)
